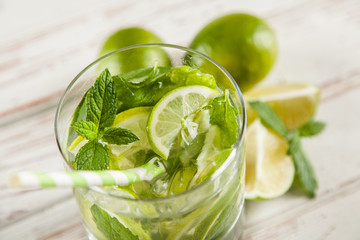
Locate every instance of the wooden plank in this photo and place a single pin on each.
(317, 42)
(28, 144)
(331, 219)
(59, 221)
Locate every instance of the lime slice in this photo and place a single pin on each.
(170, 114)
(294, 103)
(132, 154)
(269, 170)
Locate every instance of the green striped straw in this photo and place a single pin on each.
(36, 179)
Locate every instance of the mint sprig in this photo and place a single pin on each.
(101, 107)
(304, 170)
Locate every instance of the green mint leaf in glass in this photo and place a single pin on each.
(119, 136)
(92, 156)
(144, 87)
(304, 170)
(223, 114)
(189, 76)
(85, 129)
(269, 117)
(80, 109)
(143, 76)
(311, 128)
(79, 112)
(110, 226)
(144, 93)
(102, 101)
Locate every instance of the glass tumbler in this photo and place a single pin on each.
(210, 210)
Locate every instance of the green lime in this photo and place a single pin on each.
(170, 115)
(132, 59)
(243, 44)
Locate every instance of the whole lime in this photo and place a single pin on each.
(243, 44)
(132, 59)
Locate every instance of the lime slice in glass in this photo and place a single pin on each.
(169, 115)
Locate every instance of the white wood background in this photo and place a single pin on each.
(44, 44)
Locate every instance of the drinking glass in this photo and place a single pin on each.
(210, 210)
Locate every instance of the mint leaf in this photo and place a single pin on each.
(311, 128)
(118, 136)
(102, 101)
(110, 226)
(80, 110)
(92, 156)
(144, 76)
(142, 92)
(85, 129)
(223, 114)
(79, 113)
(304, 170)
(186, 75)
(269, 117)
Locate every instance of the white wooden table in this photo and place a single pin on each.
(44, 44)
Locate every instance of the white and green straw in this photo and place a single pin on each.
(36, 179)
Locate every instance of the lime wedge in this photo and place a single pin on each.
(294, 103)
(170, 114)
(269, 170)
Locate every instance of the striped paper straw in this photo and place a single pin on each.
(36, 179)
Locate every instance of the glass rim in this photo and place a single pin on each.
(237, 144)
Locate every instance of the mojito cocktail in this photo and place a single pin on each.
(181, 111)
